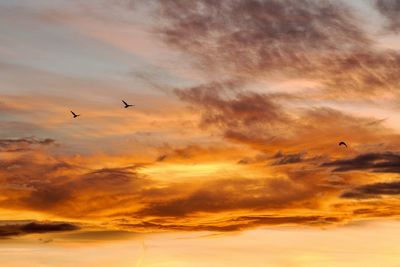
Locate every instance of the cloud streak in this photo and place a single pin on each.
(378, 162)
(375, 190)
(14, 228)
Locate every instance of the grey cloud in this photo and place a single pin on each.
(377, 162)
(375, 190)
(390, 9)
(17, 228)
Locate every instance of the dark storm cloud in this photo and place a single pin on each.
(373, 190)
(390, 9)
(377, 162)
(15, 228)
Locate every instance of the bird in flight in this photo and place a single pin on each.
(343, 144)
(127, 105)
(75, 115)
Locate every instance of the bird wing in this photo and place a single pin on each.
(343, 143)
(73, 113)
(125, 103)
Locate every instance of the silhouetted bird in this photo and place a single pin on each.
(342, 144)
(75, 115)
(127, 105)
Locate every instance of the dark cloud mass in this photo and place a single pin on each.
(242, 109)
(282, 159)
(377, 162)
(57, 187)
(373, 190)
(233, 194)
(390, 9)
(15, 228)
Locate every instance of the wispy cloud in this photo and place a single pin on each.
(391, 10)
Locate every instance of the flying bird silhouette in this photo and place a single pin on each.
(343, 144)
(127, 105)
(75, 115)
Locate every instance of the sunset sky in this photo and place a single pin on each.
(229, 157)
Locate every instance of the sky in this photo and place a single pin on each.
(229, 157)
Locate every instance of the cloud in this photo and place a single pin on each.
(196, 153)
(23, 144)
(375, 190)
(242, 109)
(320, 41)
(256, 159)
(291, 171)
(390, 9)
(251, 35)
(39, 181)
(377, 162)
(362, 73)
(282, 159)
(15, 228)
(239, 223)
(264, 123)
(101, 190)
(223, 195)
(278, 159)
(241, 116)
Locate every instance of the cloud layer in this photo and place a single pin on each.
(321, 41)
(245, 136)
